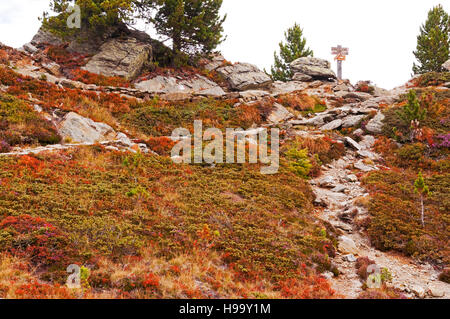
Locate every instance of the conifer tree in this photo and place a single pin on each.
(412, 111)
(294, 48)
(96, 15)
(422, 189)
(433, 42)
(193, 26)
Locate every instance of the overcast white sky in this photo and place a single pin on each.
(381, 34)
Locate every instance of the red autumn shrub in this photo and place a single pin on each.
(64, 58)
(53, 96)
(33, 238)
(361, 265)
(4, 147)
(151, 281)
(3, 57)
(299, 102)
(311, 287)
(445, 275)
(98, 79)
(161, 145)
(36, 290)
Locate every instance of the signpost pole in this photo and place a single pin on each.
(340, 53)
(339, 69)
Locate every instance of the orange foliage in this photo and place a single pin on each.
(151, 281)
(53, 96)
(98, 79)
(36, 290)
(300, 102)
(64, 58)
(311, 287)
(161, 145)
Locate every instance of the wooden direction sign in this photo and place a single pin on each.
(339, 50)
(340, 54)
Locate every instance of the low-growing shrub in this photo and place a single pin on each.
(302, 102)
(445, 276)
(432, 79)
(98, 79)
(33, 238)
(395, 220)
(299, 162)
(4, 147)
(362, 263)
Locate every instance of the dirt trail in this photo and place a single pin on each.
(337, 189)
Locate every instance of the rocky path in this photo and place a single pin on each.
(339, 191)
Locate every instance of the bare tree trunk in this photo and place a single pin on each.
(422, 216)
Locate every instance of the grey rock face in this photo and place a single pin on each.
(279, 114)
(347, 246)
(352, 143)
(28, 47)
(198, 85)
(83, 130)
(313, 67)
(363, 167)
(332, 125)
(360, 96)
(120, 57)
(375, 125)
(42, 37)
(279, 87)
(83, 42)
(216, 61)
(367, 142)
(446, 65)
(245, 76)
(318, 120)
(302, 77)
(352, 120)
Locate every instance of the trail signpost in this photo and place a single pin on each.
(340, 55)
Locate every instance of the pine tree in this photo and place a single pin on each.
(422, 189)
(433, 42)
(193, 26)
(96, 15)
(412, 111)
(294, 48)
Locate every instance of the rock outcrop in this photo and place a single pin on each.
(375, 125)
(215, 62)
(279, 87)
(309, 68)
(120, 57)
(446, 65)
(76, 128)
(45, 37)
(197, 85)
(279, 114)
(245, 76)
(84, 42)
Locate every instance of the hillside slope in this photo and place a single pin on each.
(86, 178)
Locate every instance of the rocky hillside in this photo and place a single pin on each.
(86, 178)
